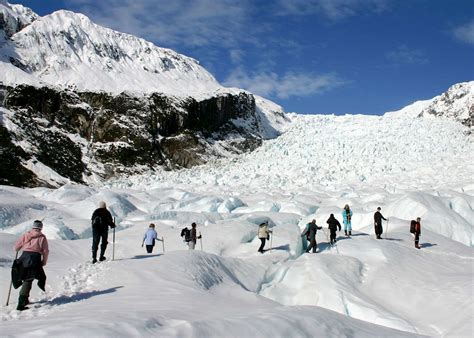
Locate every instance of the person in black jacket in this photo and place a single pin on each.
(101, 220)
(333, 226)
(378, 217)
(311, 232)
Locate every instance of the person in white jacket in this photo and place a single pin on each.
(264, 234)
(150, 237)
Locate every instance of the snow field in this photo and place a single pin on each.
(227, 286)
(337, 152)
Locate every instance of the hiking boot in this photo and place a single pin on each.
(345, 232)
(102, 258)
(94, 260)
(22, 301)
(350, 233)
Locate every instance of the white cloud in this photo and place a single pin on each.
(186, 22)
(291, 84)
(331, 9)
(465, 33)
(403, 54)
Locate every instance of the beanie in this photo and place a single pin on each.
(102, 204)
(37, 225)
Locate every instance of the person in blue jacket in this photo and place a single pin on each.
(150, 237)
(346, 217)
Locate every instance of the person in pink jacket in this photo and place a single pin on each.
(30, 264)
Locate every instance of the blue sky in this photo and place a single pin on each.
(310, 56)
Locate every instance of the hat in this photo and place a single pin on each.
(102, 204)
(37, 225)
(152, 225)
(378, 208)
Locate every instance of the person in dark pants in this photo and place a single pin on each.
(194, 237)
(333, 226)
(311, 233)
(150, 237)
(101, 220)
(263, 234)
(378, 217)
(417, 233)
(30, 264)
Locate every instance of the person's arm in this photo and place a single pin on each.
(110, 219)
(45, 250)
(19, 243)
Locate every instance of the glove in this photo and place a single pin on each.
(113, 226)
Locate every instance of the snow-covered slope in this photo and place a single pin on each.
(67, 49)
(457, 103)
(362, 288)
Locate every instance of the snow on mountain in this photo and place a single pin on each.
(456, 103)
(67, 49)
(13, 18)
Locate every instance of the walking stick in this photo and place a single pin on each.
(200, 239)
(11, 283)
(163, 242)
(271, 242)
(386, 232)
(113, 244)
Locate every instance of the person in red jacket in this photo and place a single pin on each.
(30, 264)
(417, 233)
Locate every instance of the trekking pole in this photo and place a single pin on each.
(163, 242)
(113, 242)
(386, 231)
(271, 242)
(11, 283)
(200, 239)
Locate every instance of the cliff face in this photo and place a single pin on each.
(89, 135)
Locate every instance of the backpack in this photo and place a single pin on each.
(186, 233)
(413, 226)
(97, 222)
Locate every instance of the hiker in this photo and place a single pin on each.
(346, 218)
(263, 233)
(310, 233)
(333, 226)
(417, 233)
(150, 237)
(378, 217)
(101, 220)
(194, 238)
(30, 264)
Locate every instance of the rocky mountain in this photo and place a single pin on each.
(80, 102)
(456, 103)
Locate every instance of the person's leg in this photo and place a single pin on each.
(95, 244)
(103, 246)
(417, 240)
(191, 245)
(314, 245)
(349, 228)
(149, 248)
(262, 244)
(24, 294)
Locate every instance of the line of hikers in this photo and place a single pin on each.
(309, 232)
(29, 266)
